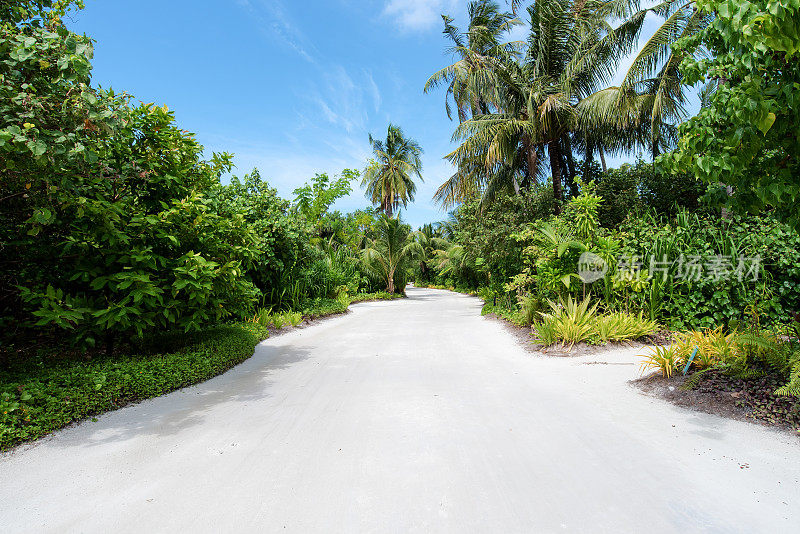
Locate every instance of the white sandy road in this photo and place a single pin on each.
(407, 416)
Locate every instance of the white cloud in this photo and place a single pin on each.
(275, 23)
(341, 100)
(419, 15)
(344, 101)
(374, 91)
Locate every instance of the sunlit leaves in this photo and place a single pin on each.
(746, 137)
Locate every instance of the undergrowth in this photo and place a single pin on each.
(573, 321)
(40, 395)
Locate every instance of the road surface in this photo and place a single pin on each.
(407, 416)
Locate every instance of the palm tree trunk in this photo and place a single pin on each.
(570, 161)
(390, 284)
(531, 157)
(587, 161)
(602, 159)
(554, 153)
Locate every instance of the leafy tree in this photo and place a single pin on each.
(392, 251)
(281, 238)
(314, 198)
(27, 11)
(746, 137)
(106, 226)
(389, 177)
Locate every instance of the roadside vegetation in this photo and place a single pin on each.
(132, 262)
(697, 240)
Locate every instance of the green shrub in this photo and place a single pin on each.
(745, 355)
(665, 359)
(573, 321)
(277, 320)
(684, 303)
(293, 318)
(321, 307)
(378, 295)
(620, 326)
(37, 397)
(632, 188)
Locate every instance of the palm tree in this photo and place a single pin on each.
(570, 52)
(430, 239)
(388, 178)
(392, 251)
(554, 98)
(652, 97)
(476, 49)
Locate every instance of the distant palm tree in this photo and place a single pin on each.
(430, 239)
(392, 251)
(388, 178)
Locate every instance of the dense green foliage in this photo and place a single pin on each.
(109, 222)
(643, 187)
(114, 225)
(746, 137)
(39, 395)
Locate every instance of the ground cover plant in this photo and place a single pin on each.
(40, 394)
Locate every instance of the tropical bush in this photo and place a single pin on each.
(572, 321)
(743, 355)
(713, 271)
(645, 187)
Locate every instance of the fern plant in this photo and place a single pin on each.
(792, 387)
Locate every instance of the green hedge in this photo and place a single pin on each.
(322, 307)
(378, 295)
(37, 397)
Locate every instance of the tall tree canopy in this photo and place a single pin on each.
(525, 109)
(747, 136)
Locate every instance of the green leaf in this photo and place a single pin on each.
(766, 123)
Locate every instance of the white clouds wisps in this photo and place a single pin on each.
(419, 15)
(275, 23)
(342, 101)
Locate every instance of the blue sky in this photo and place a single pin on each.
(292, 88)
